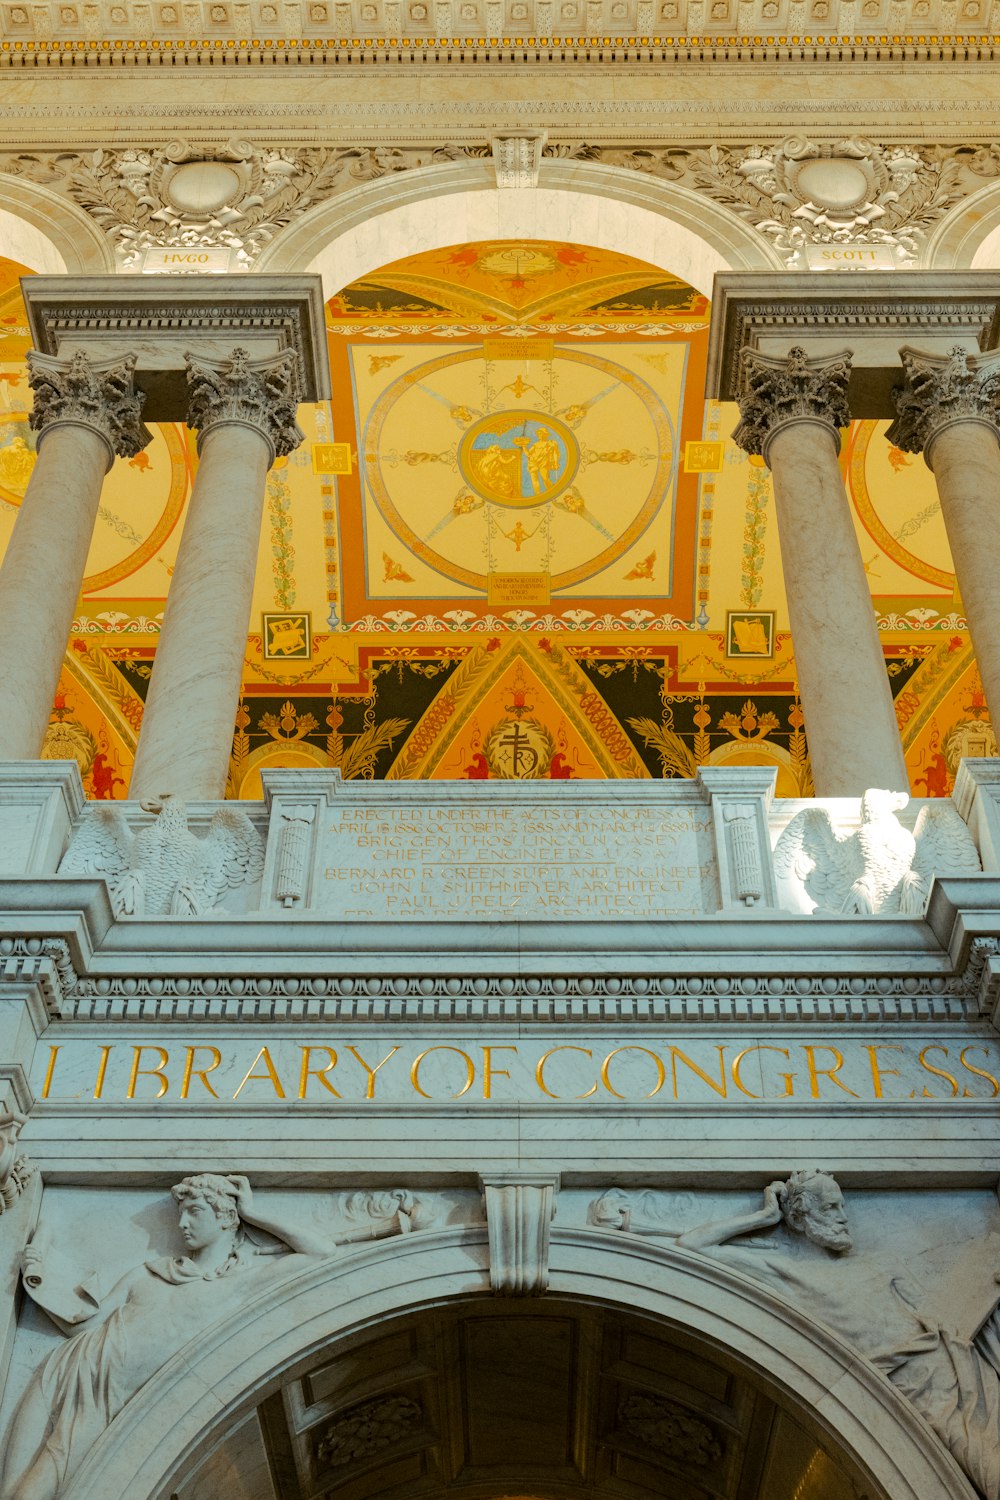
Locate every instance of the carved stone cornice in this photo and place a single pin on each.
(941, 389)
(99, 394)
(258, 393)
(717, 993)
(54, 36)
(776, 392)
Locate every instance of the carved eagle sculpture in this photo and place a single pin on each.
(165, 869)
(881, 868)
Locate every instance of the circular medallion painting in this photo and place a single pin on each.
(518, 457)
(574, 441)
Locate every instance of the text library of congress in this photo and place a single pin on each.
(499, 796)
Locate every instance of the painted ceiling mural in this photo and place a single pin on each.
(517, 544)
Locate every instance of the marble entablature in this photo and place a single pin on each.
(202, 1005)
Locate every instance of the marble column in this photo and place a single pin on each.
(85, 412)
(792, 409)
(949, 409)
(244, 412)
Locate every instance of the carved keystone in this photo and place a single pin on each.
(518, 158)
(520, 1207)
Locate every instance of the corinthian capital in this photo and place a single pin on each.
(941, 389)
(777, 390)
(259, 393)
(99, 394)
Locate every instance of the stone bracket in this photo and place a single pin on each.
(520, 1207)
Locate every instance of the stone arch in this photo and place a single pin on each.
(237, 1361)
(968, 236)
(610, 208)
(44, 230)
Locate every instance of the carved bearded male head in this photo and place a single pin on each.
(813, 1205)
(206, 1210)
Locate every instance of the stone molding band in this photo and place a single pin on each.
(68, 992)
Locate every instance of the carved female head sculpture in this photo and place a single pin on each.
(813, 1205)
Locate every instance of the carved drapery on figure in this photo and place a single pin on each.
(799, 1242)
(99, 394)
(258, 393)
(795, 388)
(941, 389)
(151, 1313)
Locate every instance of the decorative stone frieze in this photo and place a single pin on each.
(803, 193)
(258, 393)
(161, 320)
(942, 389)
(520, 1207)
(778, 391)
(164, 208)
(99, 394)
(872, 313)
(184, 208)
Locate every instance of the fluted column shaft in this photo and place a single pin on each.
(84, 413)
(949, 409)
(792, 410)
(244, 411)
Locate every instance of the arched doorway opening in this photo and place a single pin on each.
(395, 1367)
(542, 1397)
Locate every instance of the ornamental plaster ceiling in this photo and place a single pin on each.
(516, 543)
(521, 1401)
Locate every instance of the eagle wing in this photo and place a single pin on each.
(815, 869)
(101, 845)
(944, 844)
(231, 855)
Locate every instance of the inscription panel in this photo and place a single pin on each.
(518, 862)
